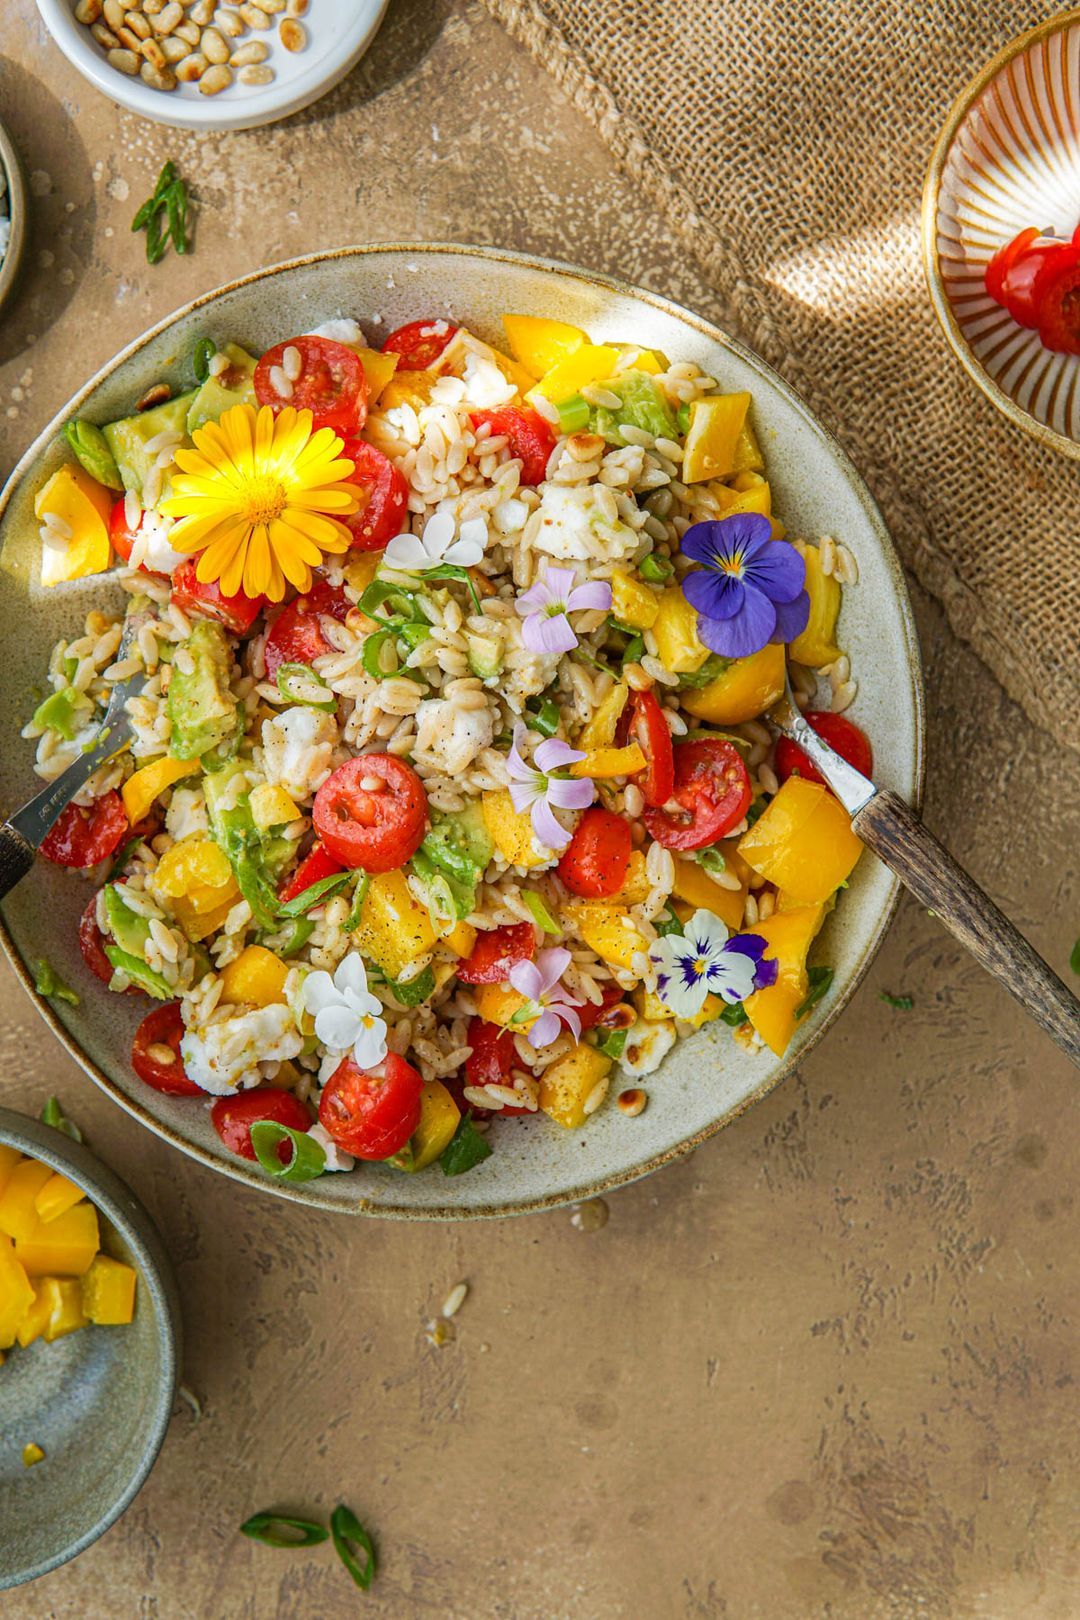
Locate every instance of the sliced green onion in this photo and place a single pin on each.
(308, 1157)
(460, 575)
(371, 656)
(655, 569)
(541, 915)
(573, 413)
(711, 860)
(820, 979)
(612, 1043)
(901, 1003)
(633, 650)
(271, 1528)
(201, 356)
(465, 1149)
(47, 982)
(52, 1114)
(402, 603)
(413, 634)
(711, 670)
(545, 718)
(294, 936)
(682, 418)
(667, 923)
(414, 991)
(734, 1015)
(352, 921)
(299, 683)
(348, 1533)
(315, 894)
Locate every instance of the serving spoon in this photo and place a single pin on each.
(896, 835)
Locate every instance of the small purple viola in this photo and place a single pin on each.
(540, 982)
(704, 961)
(750, 588)
(534, 788)
(545, 604)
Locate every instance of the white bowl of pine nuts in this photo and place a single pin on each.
(213, 64)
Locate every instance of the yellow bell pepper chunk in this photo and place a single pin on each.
(31, 1454)
(271, 806)
(711, 438)
(632, 602)
(63, 1247)
(652, 361)
(748, 456)
(636, 886)
(698, 890)
(599, 732)
(802, 842)
(678, 646)
(145, 785)
(591, 363)
(378, 369)
(817, 644)
(408, 388)
(746, 689)
(439, 1116)
(202, 913)
(9, 1158)
(601, 764)
(650, 1007)
(395, 929)
(84, 505)
(566, 1086)
(499, 1004)
(538, 343)
(108, 1292)
(195, 863)
(460, 938)
(788, 936)
(18, 1217)
(256, 978)
(606, 929)
(57, 1195)
(16, 1293)
(511, 831)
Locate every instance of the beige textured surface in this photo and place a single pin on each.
(820, 1371)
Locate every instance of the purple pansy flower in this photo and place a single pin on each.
(534, 788)
(539, 981)
(750, 589)
(544, 607)
(705, 961)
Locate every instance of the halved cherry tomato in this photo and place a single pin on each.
(712, 786)
(384, 497)
(489, 1063)
(315, 866)
(642, 721)
(840, 733)
(1003, 259)
(164, 1027)
(495, 952)
(331, 384)
(371, 1113)
(378, 828)
(234, 1116)
(121, 534)
(82, 837)
(1018, 290)
(528, 436)
(1056, 295)
(92, 943)
(595, 861)
(419, 343)
(296, 636)
(193, 595)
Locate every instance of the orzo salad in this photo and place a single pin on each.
(448, 794)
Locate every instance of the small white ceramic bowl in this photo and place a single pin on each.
(339, 32)
(13, 204)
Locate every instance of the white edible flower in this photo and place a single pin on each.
(647, 1045)
(336, 1157)
(704, 961)
(348, 1018)
(582, 523)
(224, 1056)
(437, 545)
(450, 736)
(298, 748)
(343, 330)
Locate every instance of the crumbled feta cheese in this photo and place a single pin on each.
(336, 1158)
(485, 385)
(224, 1056)
(450, 736)
(297, 750)
(525, 673)
(647, 1045)
(511, 516)
(343, 330)
(151, 548)
(581, 522)
(186, 816)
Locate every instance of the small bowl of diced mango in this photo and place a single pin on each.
(89, 1347)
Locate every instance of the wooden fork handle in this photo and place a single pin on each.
(16, 857)
(896, 835)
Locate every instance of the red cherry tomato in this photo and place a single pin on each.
(595, 861)
(331, 384)
(82, 837)
(121, 534)
(712, 786)
(234, 1116)
(371, 1113)
(528, 435)
(193, 595)
(92, 943)
(296, 636)
(489, 1063)
(591, 1013)
(840, 733)
(163, 1027)
(1056, 296)
(1002, 261)
(419, 343)
(384, 497)
(495, 952)
(315, 866)
(642, 721)
(376, 829)
(1018, 290)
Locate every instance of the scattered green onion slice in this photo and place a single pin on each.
(372, 654)
(308, 1157)
(734, 1015)
(667, 923)
(711, 860)
(294, 936)
(201, 355)
(270, 1528)
(655, 569)
(901, 1003)
(465, 1149)
(297, 683)
(541, 915)
(461, 575)
(402, 603)
(47, 982)
(52, 1114)
(169, 199)
(315, 894)
(546, 718)
(612, 1043)
(349, 1533)
(352, 921)
(573, 413)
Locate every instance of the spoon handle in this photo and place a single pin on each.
(896, 835)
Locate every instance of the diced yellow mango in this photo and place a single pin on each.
(802, 842)
(66, 1314)
(599, 731)
(632, 601)
(271, 806)
(395, 929)
(650, 1007)
(678, 645)
(606, 929)
(746, 688)
(652, 361)
(636, 886)
(460, 938)
(360, 568)
(64, 1247)
(256, 978)
(31, 1454)
(697, 889)
(108, 1292)
(590, 363)
(711, 438)
(601, 764)
(16, 1293)
(511, 831)
(145, 785)
(817, 643)
(378, 369)
(83, 505)
(748, 456)
(57, 1195)
(408, 388)
(439, 1116)
(710, 1009)
(499, 1004)
(192, 865)
(202, 912)
(788, 936)
(9, 1158)
(565, 1087)
(35, 1318)
(18, 1217)
(539, 344)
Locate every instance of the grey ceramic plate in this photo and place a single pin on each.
(98, 1402)
(707, 1080)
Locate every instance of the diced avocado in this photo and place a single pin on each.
(65, 712)
(92, 452)
(139, 974)
(234, 386)
(203, 711)
(459, 843)
(128, 438)
(643, 406)
(129, 930)
(485, 655)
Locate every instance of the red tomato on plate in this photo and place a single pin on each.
(82, 837)
(164, 1027)
(489, 1063)
(529, 437)
(591, 1013)
(1056, 296)
(121, 534)
(371, 1113)
(193, 595)
(296, 636)
(234, 1116)
(840, 733)
(642, 721)
(384, 497)
(92, 943)
(712, 788)
(373, 828)
(317, 864)
(419, 343)
(595, 861)
(331, 384)
(495, 952)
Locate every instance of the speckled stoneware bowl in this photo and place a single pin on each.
(97, 1402)
(707, 1080)
(13, 204)
(1008, 158)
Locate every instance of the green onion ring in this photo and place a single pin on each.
(345, 1527)
(307, 1162)
(263, 1527)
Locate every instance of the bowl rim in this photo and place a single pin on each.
(10, 264)
(279, 100)
(239, 1169)
(115, 1200)
(931, 198)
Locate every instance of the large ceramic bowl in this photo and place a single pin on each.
(707, 1080)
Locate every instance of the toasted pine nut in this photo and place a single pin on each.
(114, 14)
(169, 17)
(228, 23)
(251, 53)
(158, 79)
(158, 1052)
(192, 68)
(188, 31)
(174, 50)
(105, 37)
(216, 78)
(631, 1101)
(153, 8)
(88, 11)
(155, 55)
(130, 41)
(137, 23)
(213, 46)
(203, 12)
(256, 74)
(254, 17)
(293, 35)
(271, 7)
(157, 394)
(292, 363)
(124, 61)
(297, 8)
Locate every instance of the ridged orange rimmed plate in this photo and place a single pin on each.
(1009, 158)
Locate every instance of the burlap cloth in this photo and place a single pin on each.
(787, 142)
